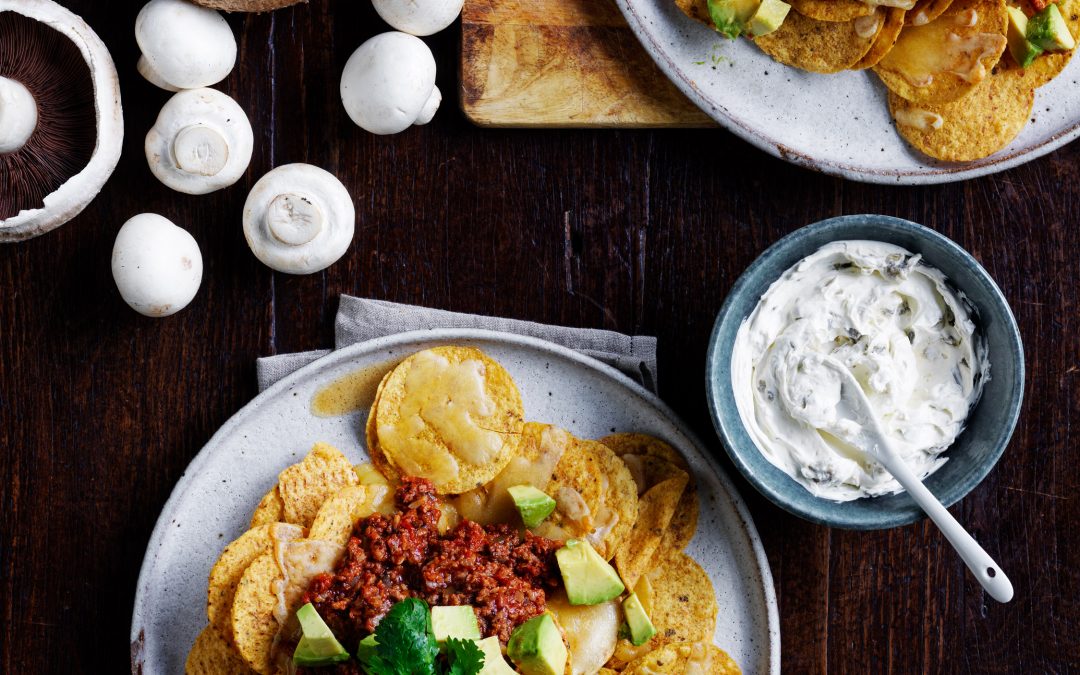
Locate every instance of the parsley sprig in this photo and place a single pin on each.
(405, 645)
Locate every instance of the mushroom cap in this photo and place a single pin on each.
(68, 200)
(157, 265)
(18, 115)
(186, 45)
(299, 219)
(418, 17)
(201, 142)
(387, 83)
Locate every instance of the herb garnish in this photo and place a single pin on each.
(405, 645)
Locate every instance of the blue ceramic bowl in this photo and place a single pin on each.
(989, 427)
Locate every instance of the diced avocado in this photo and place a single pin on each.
(588, 578)
(1023, 52)
(1048, 30)
(494, 663)
(641, 627)
(318, 646)
(366, 649)
(454, 622)
(769, 16)
(731, 16)
(536, 647)
(532, 504)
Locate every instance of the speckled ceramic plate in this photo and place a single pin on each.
(213, 500)
(838, 124)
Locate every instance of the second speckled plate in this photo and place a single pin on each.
(213, 500)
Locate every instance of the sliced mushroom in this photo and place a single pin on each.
(201, 142)
(61, 124)
(389, 84)
(418, 17)
(299, 219)
(157, 266)
(184, 46)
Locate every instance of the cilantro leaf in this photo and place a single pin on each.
(463, 657)
(404, 643)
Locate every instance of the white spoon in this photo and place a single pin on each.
(856, 423)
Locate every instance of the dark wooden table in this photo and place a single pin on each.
(636, 231)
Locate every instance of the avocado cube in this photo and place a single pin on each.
(533, 505)
(494, 663)
(454, 622)
(1023, 52)
(1048, 30)
(769, 16)
(730, 17)
(536, 647)
(318, 646)
(641, 626)
(588, 578)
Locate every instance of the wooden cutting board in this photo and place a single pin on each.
(562, 63)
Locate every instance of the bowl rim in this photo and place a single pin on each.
(729, 426)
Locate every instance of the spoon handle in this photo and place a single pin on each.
(986, 571)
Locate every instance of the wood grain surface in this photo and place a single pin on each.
(638, 231)
(562, 63)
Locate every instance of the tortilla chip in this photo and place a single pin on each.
(676, 658)
(230, 566)
(212, 655)
(832, 10)
(253, 624)
(817, 46)
(269, 510)
(458, 436)
(661, 485)
(977, 125)
(589, 472)
(305, 486)
(683, 523)
(886, 38)
(926, 11)
(338, 514)
(683, 607)
(1049, 65)
(371, 437)
(905, 80)
(696, 9)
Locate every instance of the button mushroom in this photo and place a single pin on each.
(389, 84)
(156, 265)
(299, 219)
(418, 17)
(201, 142)
(184, 46)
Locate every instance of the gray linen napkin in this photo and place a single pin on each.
(361, 319)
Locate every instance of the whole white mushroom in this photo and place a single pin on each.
(18, 115)
(184, 46)
(157, 266)
(202, 142)
(418, 17)
(299, 219)
(388, 84)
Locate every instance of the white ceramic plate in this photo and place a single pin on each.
(213, 501)
(838, 124)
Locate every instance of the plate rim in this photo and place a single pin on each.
(927, 175)
(183, 484)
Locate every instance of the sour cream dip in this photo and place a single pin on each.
(902, 331)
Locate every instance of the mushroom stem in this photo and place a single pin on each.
(294, 219)
(427, 113)
(200, 150)
(18, 115)
(152, 76)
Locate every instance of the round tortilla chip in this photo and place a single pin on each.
(229, 568)
(817, 46)
(1049, 65)
(644, 444)
(926, 11)
(442, 439)
(886, 38)
(915, 42)
(606, 487)
(675, 658)
(269, 510)
(696, 9)
(832, 10)
(338, 514)
(977, 125)
(212, 655)
(683, 608)
(371, 436)
(304, 487)
(661, 485)
(253, 624)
